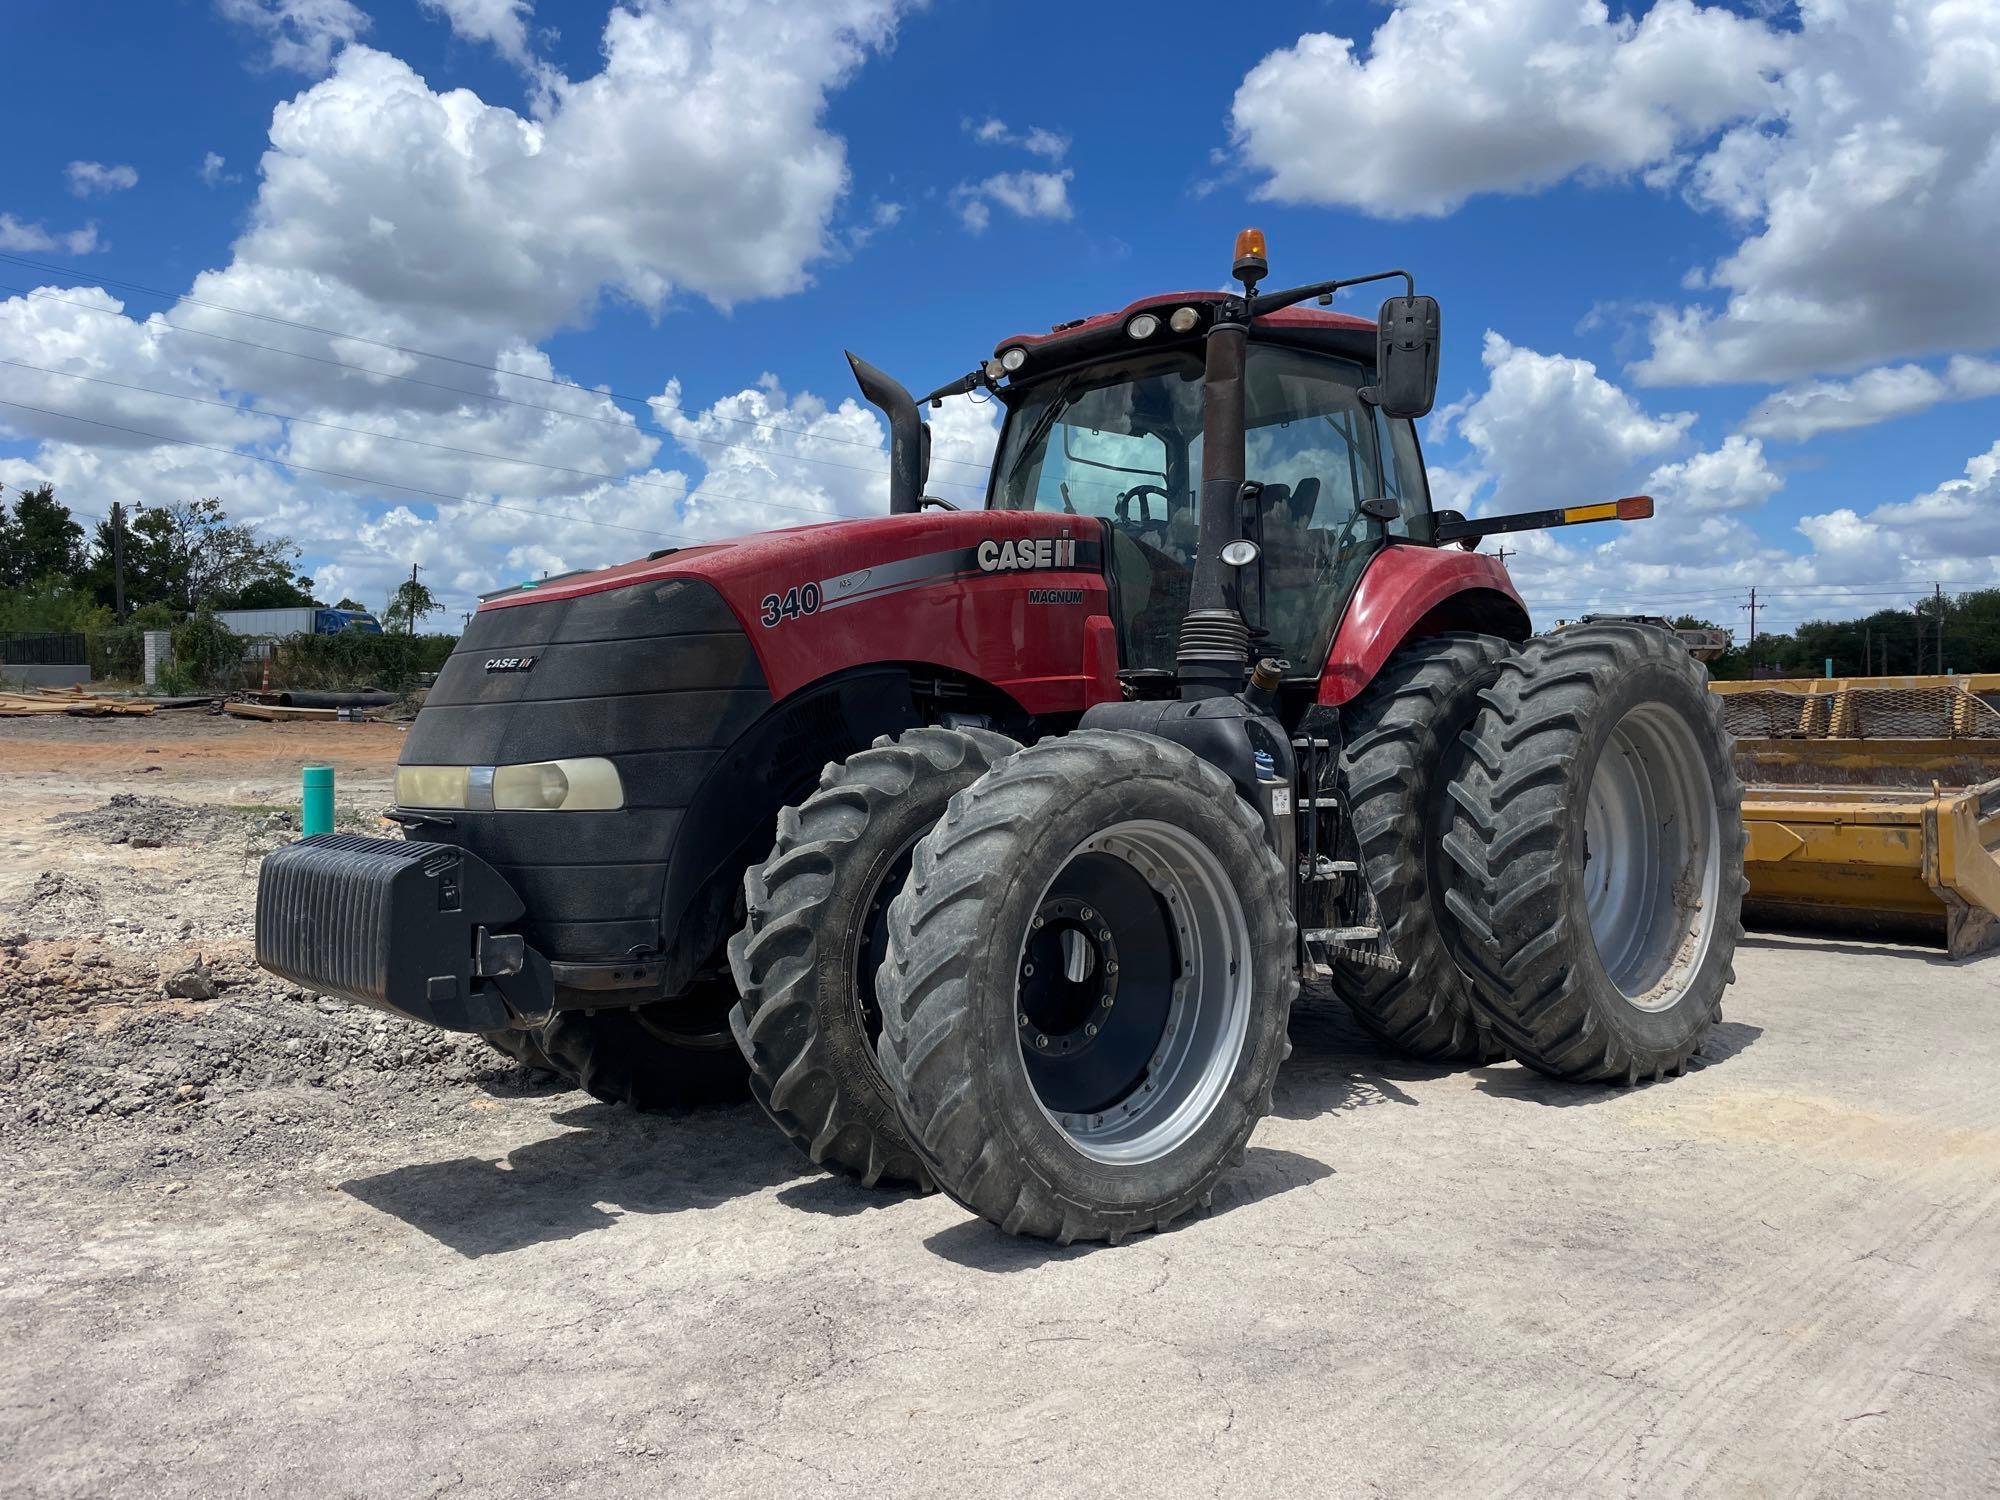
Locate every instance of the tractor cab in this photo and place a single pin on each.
(1108, 424)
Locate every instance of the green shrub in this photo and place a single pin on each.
(207, 653)
(117, 654)
(354, 660)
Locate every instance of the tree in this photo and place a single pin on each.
(412, 601)
(351, 603)
(272, 592)
(40, 540)
(191, 555)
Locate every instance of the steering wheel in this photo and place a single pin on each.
(1122, 512)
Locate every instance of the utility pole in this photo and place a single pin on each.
(410, 614)
(1867, 651)
(1752, 648)
(1937, 596)
(118, 559)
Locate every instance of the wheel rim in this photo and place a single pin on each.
(699, 1025)
(1134, 997)
(1652, 862)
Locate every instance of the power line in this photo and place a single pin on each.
(321, 359)
(392, 437)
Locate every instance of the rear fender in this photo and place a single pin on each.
(1411, 591)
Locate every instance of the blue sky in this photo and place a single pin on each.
(1730, 255)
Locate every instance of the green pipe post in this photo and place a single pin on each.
(317, 786)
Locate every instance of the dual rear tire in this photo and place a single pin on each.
(1594, 855)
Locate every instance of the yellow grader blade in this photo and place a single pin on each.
(1872, 805)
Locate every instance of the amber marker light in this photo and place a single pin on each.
(1252, 259)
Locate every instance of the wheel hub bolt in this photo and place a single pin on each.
(1104, 934)
(1091, 1029)
(1086, 914)
(1024, 1018)
(1040, 1040)
(1111, 967)
(1037, 924)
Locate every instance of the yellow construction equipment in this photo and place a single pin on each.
(1872, 804)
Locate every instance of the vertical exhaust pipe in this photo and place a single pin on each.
(906, 434)
(1215, 640)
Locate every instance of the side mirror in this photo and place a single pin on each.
(1406, 356)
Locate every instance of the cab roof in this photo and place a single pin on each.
(1103, 333)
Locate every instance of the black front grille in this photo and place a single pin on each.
(657, 677)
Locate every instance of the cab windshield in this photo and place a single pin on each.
(1122, 442)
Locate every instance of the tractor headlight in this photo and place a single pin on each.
(536, 788)
(1012, 359)
(1143, 327)
(1183, 320)
(580, 785)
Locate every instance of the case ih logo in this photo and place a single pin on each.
(510, 664)
(1043, 552)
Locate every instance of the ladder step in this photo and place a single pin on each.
(1332, 869)
(1343, 934)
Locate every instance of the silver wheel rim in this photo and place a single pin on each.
(1652, 864)
(1207, 1003)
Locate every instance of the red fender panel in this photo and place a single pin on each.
(1410, 591)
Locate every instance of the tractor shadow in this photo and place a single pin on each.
(1513, 1080)
(1337, 1066)
(1264, 1173)
(609, 1163)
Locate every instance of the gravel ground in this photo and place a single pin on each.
(258, 1245)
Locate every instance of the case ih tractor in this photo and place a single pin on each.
(995, 844)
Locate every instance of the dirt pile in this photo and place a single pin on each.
(157, 822)
(98, 1041)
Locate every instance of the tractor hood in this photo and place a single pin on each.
(1001, 596)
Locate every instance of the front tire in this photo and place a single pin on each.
(1090, 972)
(669, 1055)
(817, 928)
(1596, 854)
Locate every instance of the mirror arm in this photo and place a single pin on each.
(1271, 301)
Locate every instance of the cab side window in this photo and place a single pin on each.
(1403, 477)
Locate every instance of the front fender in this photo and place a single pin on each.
(1410, 591)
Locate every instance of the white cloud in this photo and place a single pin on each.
(694, 163)
(1879, 395)
(1045, 143)
(88, 177)
(1732, 477)
(1456, 97)
(1549, 430)
(1050, 145)
(300, 36)
(501, 24)
(34, 239)
(1031, 195)
(83, 335)
(1956, 523)
(1873, 192)
(212, 165)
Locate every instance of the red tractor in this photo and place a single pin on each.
(1069, 792)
